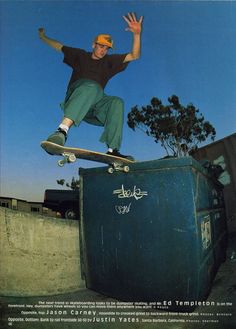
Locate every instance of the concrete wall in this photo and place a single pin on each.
(39, 255)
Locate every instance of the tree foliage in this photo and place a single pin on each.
(74, 184)
(179, 129)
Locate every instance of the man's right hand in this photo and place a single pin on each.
(41, 31)
(52, 43)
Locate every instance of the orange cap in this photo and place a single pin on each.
(104, 39)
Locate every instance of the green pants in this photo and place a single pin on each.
(85, 100)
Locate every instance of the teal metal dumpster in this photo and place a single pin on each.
(157, 233)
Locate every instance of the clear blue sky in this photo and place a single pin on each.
(188, 49)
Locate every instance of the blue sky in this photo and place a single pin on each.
(188, 49)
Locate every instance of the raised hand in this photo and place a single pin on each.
(134, 25)
(41, 31)
(52, 43)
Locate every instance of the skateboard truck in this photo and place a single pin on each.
(117, 167)
(67, 158)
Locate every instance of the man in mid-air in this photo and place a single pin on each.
(85, 98)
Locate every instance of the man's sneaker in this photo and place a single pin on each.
(59, 137)
(118, 154)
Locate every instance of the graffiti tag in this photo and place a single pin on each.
(136, 193)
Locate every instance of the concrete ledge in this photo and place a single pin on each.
(39, 256)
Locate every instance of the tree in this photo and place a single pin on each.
(74, 185)
(179, 129)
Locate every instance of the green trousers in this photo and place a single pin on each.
(85, 100)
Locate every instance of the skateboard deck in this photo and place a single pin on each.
(71, 154)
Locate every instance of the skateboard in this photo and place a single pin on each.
(71, 154)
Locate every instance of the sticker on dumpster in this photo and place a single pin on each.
(123, 193)
(206, 232)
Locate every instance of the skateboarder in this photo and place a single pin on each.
(85, 98)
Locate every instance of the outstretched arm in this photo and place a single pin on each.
(134, 26)
(52, 43)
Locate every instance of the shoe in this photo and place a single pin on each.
(118, 154)
(59, 137)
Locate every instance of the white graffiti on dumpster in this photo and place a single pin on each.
(121, 210)
(134, 193)
(123, 193)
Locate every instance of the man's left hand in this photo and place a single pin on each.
(134, 25)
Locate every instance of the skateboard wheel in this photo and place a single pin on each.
(72, 158)
(110, 170)
(60, 163)
(126, 168)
